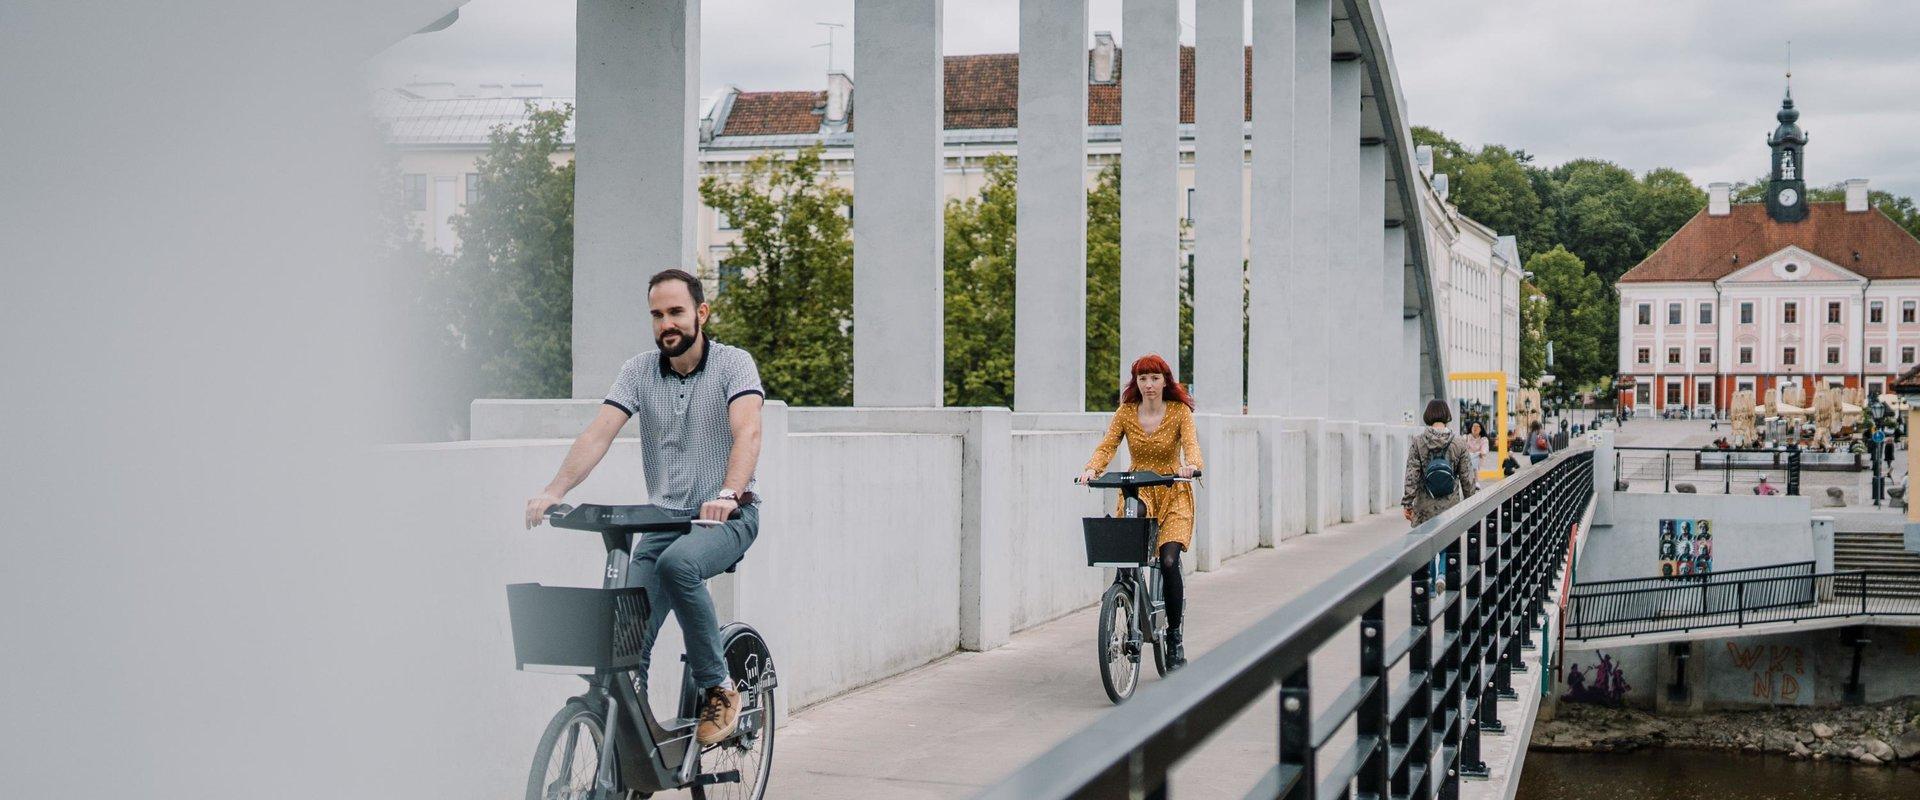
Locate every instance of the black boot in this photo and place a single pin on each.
(1176, 649)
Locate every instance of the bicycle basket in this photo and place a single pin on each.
(1120, 541)
(567, 629)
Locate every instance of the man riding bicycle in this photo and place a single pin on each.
(699, 407)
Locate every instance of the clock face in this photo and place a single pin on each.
(1789, 197)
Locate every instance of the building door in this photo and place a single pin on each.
(444, 207)
(1640, 395)
(1673, 393)
(1703, 394)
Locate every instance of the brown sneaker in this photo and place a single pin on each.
(719, 715)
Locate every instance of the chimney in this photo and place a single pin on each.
(1423, 155)
(1101, 68)
(1440, 185)
(1856, 195)
(1719, 199)
(839, 102)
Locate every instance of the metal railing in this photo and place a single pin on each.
(1719, 471)
(1412, 738)
(1793, 568)
(1742, 602)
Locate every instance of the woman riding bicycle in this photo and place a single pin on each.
(1159, 437)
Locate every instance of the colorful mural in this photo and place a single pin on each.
(1686, 547)
(1605, 684)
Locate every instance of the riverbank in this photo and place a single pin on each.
(1883, 734)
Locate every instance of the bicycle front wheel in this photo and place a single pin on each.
(568, 758)
(1119, 657)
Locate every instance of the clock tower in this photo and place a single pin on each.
(1787, 189)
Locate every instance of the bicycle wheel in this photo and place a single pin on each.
(568, 758)
(749, 752)
(1119, 659)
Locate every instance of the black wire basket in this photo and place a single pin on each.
(1120, 541)
(567, 629)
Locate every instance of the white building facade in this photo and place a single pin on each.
(1477, 276)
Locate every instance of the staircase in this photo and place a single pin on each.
(1875, 552)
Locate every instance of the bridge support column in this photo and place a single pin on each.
(1401, 384)
(1346, 296)
(1220, 240)
(899, 237)
(1284, 357)
(636, 133)
(1050, 275)
(1149, 197)
(1371, 281)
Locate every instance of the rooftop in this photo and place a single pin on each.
(1709, 248)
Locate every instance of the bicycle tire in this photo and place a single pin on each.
(1111, 653)
(750, 668)
(565, 720)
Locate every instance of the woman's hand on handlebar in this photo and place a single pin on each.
(1086, 477)
(537, 508)
(1185, 472)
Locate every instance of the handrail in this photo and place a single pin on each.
(1504, 546)
(1739, 603)
(1800, 568)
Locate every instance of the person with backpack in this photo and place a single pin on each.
(1538, 447)
(1438, 467)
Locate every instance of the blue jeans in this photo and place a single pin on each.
(674, 568)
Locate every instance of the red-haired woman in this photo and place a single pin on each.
(1156, 417)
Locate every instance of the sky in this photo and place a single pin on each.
(1689, 84)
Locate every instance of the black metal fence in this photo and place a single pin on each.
(1688, 469)
(1414, 738)
(1737, 602)
(1792, 568)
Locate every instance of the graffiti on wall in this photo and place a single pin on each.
(1777, 670)
(1686, 547)
(1604, 684)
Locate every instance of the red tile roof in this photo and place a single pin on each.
(982, 91)
(1709, 248)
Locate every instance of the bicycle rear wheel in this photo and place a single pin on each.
(568, 758)
(750, 751)
(1119, 658)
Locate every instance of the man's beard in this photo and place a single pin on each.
(686, 341)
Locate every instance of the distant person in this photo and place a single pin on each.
(1765, 488)
(1477, 447)
(1538, 447)
(1437, 463)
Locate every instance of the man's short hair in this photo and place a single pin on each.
(1437, 412)
(681, 275)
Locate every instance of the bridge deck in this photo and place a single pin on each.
(955, 726)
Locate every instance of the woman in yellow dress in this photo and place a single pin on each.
(1160, 437)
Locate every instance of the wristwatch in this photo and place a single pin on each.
(728, 494)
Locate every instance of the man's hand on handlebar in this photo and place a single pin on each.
(537, 508)
(717, 510)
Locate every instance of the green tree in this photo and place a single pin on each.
(1103, 291)
(516, 258)
(786, 287)
(1576, 324)
(423, 316)
(980, 290)
(1533, 334)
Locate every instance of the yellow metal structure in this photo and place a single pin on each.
(1500, 415)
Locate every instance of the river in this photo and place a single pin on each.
(1672, 774)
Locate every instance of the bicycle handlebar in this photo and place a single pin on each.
(1141, 478)
(623, 518)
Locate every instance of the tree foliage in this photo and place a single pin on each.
(1578, 327)
(979, 290)
(786, 287)
(1103, 291)
(428, 367)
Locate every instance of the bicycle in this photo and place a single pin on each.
(1129, 544)
(605, 743)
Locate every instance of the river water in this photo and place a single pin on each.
(1672, 774)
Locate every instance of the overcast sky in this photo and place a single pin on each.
(1645, 83)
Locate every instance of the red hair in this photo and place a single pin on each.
(1151, 363)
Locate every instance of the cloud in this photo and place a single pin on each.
(1644, 83)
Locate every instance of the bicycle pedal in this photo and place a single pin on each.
(711, 778)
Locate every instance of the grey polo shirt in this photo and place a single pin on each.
(685, 436)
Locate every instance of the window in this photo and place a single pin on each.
(729, 274)
(1706, 355)
(416, 191)
(1874, 355)
(1673, 394)
(1644, 356)
(1792, 313)
(1706, 313)
(721, 221)
(473, 188)
(1874, 388)
(1640, 394)
(1646, 314)
(1673, 355)
(1906, 311)
(1745, 386)
(1746, 313)
(1703, 393)
(1876, 313)
(1906, 355)
(1189, 205)
(1787, 356)
(1833, 313)
(1673, 313)
(1746, 355)
(1833, 355)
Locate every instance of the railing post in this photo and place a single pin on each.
(1451, 679)
(1480, 704)
(1371, 717)
(1296, 721)
(1419, 743)
(1666, 481)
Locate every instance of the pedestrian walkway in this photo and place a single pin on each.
(955, 726)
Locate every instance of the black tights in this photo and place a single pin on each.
(1172, 586)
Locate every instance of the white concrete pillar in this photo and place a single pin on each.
(1306, 309)
(1399, 382)
(1345, 296)
(1219, 240)
(1149, 182)
(1272, 349)
(1050, 276)
(1377, 308)
(637, 127)
(899, 234)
